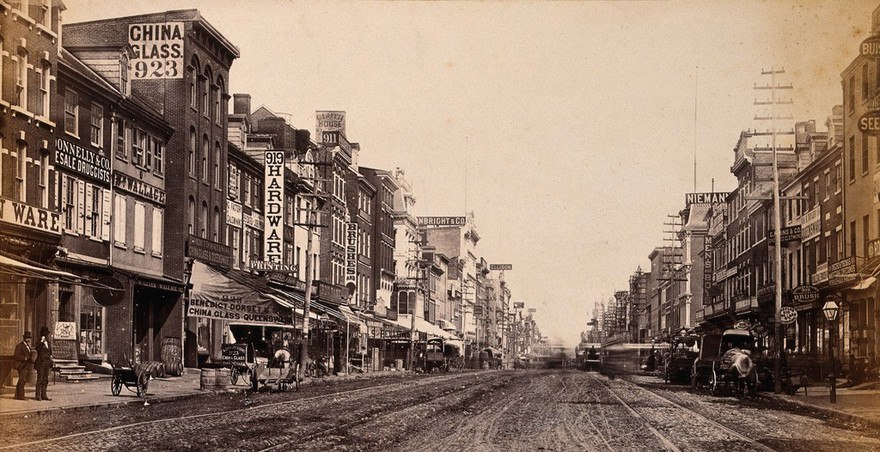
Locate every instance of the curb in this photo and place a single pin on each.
(831, 412)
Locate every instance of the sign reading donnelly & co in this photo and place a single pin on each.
(81, 160)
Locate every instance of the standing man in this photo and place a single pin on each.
(43, 364)
(23, 361)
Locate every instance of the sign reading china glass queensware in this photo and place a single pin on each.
(157, 50)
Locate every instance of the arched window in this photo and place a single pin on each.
(191, 215)
(219, 114)
(123, 74)
(206, 105)
(216, 225)
(203, 227)
(193, 71)
(192, 151)
(205, 149)
(217, 164)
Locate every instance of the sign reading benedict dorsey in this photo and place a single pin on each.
(215, 296)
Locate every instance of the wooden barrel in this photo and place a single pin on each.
(207, 380)
(222, 380)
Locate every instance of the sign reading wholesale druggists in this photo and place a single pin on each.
(273, 206)
(158, 50)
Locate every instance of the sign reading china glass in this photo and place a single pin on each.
(329, 125)
(273, 206)
(157, 50)
(351, 252)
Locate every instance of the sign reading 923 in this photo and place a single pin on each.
(157, 50)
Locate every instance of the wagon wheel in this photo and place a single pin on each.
(233, 375)
(116, 385)
(142, 383)
(713, 383)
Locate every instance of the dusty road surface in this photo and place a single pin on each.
(562, 410)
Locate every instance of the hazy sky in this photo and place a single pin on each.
(569, 128)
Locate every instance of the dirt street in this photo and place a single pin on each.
(478, 411)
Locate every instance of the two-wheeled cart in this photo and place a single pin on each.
(131, 377)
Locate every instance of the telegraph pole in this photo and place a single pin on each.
(777, 218)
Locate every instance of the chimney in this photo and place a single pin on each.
(241, 104)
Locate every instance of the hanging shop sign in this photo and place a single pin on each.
(804, 294)
(234, 214)
(788, 234)
(442, 221)
(869, 123)
(519, 304)
(273, 207)
(351, 253)
(157, 49)
(787, 315)
(500, 266)
(708, 271)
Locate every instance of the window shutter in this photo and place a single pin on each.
(119, 220)
(81, 206)
(139, 226)
(106, 217)
(157, 231)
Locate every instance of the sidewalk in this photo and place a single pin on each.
(96, 393)
(853, 404)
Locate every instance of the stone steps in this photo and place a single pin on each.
(72, 371)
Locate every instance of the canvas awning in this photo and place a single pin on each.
(215, 295)
(423, 326)
(16, 267)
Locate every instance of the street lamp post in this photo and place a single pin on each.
(830, 309)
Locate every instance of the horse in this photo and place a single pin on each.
(742, 370)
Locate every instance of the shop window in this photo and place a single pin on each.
(91, 328)
(204, 335)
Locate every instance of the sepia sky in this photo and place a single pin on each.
(570, 129)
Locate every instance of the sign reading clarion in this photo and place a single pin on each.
(442, 221)
(500, 266)
(157, 49)
(705, 198)
(273, 204)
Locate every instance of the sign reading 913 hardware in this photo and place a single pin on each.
(157, 50)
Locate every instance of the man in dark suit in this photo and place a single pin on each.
(23, 361)
(43, 364)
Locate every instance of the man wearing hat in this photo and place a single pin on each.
(23, 361)
(43, 364)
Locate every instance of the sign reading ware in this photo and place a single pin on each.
(158, 50)
(29, 216)
(273, 203)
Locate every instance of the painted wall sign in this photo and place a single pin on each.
(788, 234)
(81, 160)
(234, 214)
(329, 121)
(208, 251)
(442, 221)
(273, 206)
(869, 123)
(811, 223)
(157, 49)
(705, 198)
(873, 248)
(28, 216)
(708, 271)
(138, 187)
(870, 47)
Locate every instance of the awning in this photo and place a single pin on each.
(215, 295)
(340, 312)
(424, 326)
(446, 325)
(865, 283)
(15, 267)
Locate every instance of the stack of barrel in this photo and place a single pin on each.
(214, 379)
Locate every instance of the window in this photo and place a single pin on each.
(852, 158)
(20, 162)
(42, 104)
(205, 150)
(93, 214)
(203, 226)
(838, 177)
(68, 196)
(44, 178)
(217, 173)
(852, 93)
(216, 225)
(91, 327)
(852, 238)
(206, 88)
(864, 154)
(139, 144)
(71, 112)
(246, 185)
(20, 68)
(123, 75)
(218, 101)
(120, 129)
(191, 215)
(865, 80)
(2, 70)
(97, 126)
(119, 220)
(156, 237)
(158, 157)
(140, 220)
(193, 95)
(192, 151)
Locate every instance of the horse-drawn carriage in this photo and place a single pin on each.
(725, 361)
(255, 364)
(678, 360)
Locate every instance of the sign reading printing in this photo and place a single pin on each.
(273, 206)
(329, 121)
(157, 50)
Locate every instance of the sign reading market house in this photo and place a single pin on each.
(442, 221)
(157, 49)
(329, 126)
(273, 206)
(81, 160)
(705, 198)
